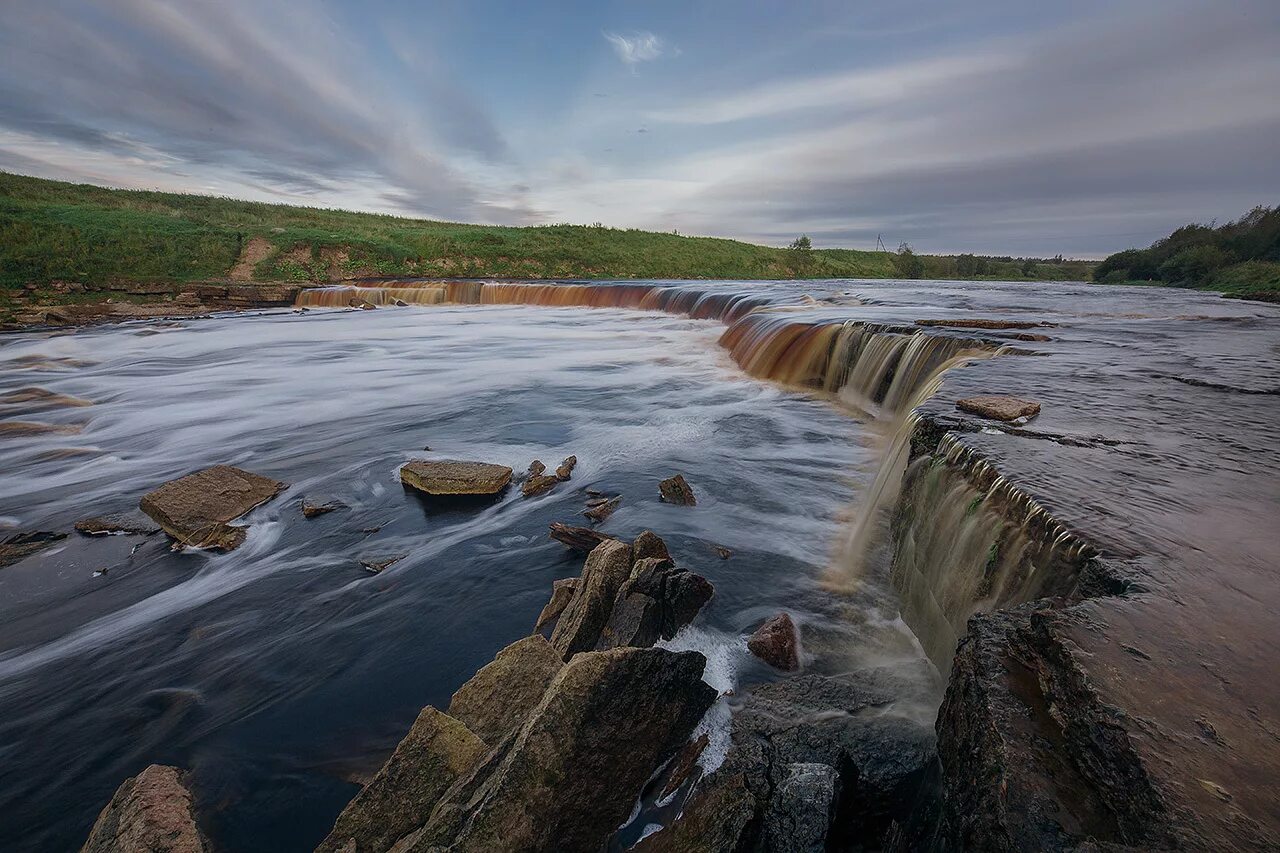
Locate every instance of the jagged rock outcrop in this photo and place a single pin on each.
(608, 566)
(195, 509)
(650, 544)
(501, 694)
(561, 594)
(433, 755)
(802, 809)
(570, 776)
(656, 601)
(149, 813)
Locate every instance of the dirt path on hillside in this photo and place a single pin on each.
(254, 251)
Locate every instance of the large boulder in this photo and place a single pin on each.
(451, 477)
(195, 509)
(149, 813)
(498, 698)
(607, 568)
(572, 774)
(433, 755)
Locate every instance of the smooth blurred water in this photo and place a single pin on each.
(278, 670)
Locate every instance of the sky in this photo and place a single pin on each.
(993, 126)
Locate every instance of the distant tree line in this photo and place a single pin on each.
(1197, 255)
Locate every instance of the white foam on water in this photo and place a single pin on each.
(725, 654)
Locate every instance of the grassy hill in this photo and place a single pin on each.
(54, 231)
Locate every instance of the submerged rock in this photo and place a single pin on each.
(313, 507)
(603, 510)
(448, 477)
(149, 813)
(195, 509)
(578, 538)
(43, 397)
(777, 643)
(437, 751)
(675, 490)
(118, 524)
(999, 407)
(561, 594)
(566, 467)
(571, 775)
(722, 552)
(607, 568)
(376, 565)
(19, 546)
(499, 697)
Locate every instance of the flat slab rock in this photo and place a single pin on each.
(118, 524)
(999, 407)
(150, 813)
(454, 477)
(195, 509)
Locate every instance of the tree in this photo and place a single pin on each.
(908, 263)
(1193, 266)
(801, 243)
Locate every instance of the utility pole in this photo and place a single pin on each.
(880, 244)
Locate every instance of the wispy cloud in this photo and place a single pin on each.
(637, 47)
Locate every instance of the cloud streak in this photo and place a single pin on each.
(636, 47)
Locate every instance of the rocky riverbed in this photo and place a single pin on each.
(818, 729)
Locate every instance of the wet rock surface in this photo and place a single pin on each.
(777, 643)
(19, 546)
(314, 507)
(195, 509)
(450, 477)
(436, 752)
(500, 696)
(118, 524)
(578, 538)
(999, 407)
(149, 813)
(538, 484)
(802, 808)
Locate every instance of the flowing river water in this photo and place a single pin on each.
(283, 672)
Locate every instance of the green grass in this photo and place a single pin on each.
(55, 231)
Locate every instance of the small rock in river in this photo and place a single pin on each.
(538, 484)
(377, 564)
(722, 552)
(566, 468)
(602, 511)
(676, 490)
(999, 407)
(312, 507)
(578, 538)
(447, 477)
(777, 643)
(536, 468)
(118, 524)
